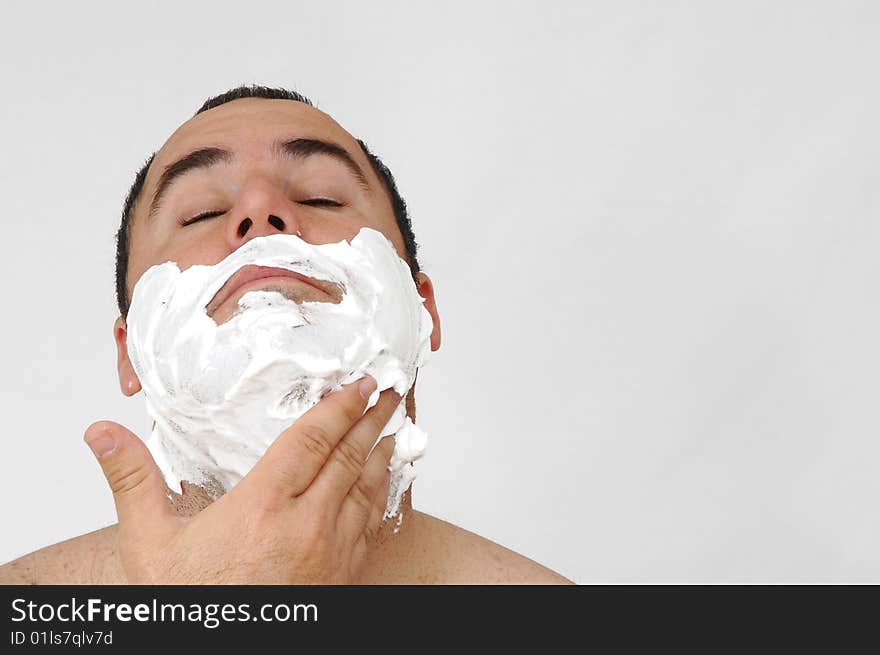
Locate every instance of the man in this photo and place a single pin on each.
(253, 162)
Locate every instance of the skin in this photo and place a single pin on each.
(301, 540)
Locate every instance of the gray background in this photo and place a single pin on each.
(652, 229)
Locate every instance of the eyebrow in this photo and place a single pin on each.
(209, 157)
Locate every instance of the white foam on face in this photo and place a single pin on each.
(220, 395)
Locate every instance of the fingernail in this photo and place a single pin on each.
(102, 444)
(367, 386)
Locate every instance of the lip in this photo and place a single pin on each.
(247, 275)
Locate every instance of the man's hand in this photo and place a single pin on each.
(301, 516)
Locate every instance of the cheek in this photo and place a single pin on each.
(185, 248)
(382, 220)
(208, 248)
(332, 233)
(330, 228)
(349, 225)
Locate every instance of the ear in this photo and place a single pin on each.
(426, 291)
(128, 379)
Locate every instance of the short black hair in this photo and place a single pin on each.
(255, 91)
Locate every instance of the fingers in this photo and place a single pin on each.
(364, 505)
(297, 455)
(345, 464)
(136, 483)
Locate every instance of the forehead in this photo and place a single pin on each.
(248, 127)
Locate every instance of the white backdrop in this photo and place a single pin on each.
(653, 230)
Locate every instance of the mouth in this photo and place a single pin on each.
(292, 285)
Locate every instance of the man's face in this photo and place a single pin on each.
(273, 166)
(260, 188)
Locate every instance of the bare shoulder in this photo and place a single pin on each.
(429, 551)
(443, 553)
(88, 559)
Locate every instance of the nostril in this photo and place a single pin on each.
(276, 222)
(244, 226)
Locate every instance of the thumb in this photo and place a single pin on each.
(136, 482)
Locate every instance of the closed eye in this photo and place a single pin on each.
(200, 217)
(312, 202)
(321, 202)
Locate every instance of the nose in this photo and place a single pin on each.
(261, 210)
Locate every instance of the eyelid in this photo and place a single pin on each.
(321, 201)
(312, 202)
(200, 217)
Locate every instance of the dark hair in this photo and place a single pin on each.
(255, 91)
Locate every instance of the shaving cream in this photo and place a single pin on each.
(219, 395)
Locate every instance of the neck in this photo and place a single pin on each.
(394, 532)
(406, 508)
